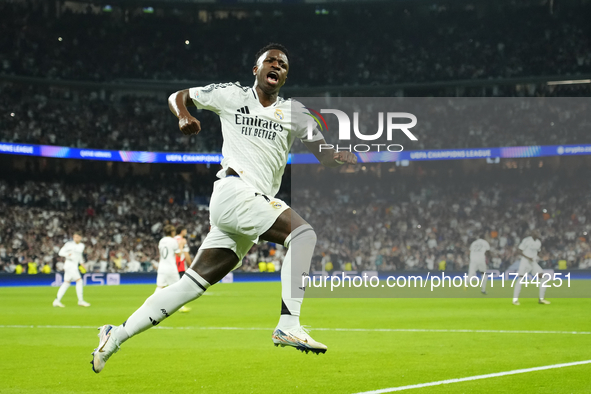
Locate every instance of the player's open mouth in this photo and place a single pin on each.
(273, 78)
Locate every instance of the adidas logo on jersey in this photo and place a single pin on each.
(244, 110)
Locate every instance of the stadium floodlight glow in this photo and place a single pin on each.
(571, 82)
(60, 39)
(187, 42)
(12, 114)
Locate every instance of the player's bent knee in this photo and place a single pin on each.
(304, 233)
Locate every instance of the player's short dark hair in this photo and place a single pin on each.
(268, 47)
(77, 231)
(180, 228)
(168, 230)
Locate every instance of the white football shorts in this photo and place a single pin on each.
(476, 265)
(527, 267)
(167, 278)
(239, 214)
(71, 274)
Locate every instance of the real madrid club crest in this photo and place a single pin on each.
(276, 204)
(279, 114)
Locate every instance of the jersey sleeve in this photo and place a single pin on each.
(212, 97)
(486, 245)
(524, 243)
(64, 250)
(175, 246)
(305, 124)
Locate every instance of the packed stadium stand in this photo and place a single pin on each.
(65, 117)
(416, 217)
(87, 76)
(478, 40)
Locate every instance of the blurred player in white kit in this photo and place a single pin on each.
(528, 250)
(479, 251)
(169, 248)
(72, 251)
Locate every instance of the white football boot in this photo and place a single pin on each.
(108, 345)
(299, 338)
(83, 303)
(56, 303)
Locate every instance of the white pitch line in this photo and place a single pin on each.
(330, 329)
(478, 377)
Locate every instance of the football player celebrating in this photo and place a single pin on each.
(258, 132)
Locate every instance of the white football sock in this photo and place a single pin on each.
(296, 265)
(542, 292)
(164, 303)
(79, 290)
(517, 288)
(484, 280)
(62, 290)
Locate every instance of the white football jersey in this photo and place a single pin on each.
(530, 247)
(168, 248)
(257, 139)
(478, 248)
(72, 251)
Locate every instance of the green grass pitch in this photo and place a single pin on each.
(189, 353)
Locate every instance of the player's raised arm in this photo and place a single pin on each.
(330, 157)
(178, 103)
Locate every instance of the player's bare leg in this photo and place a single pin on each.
(300, 239)
(209, 267)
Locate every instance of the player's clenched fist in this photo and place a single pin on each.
(345, 158)
(189, 125)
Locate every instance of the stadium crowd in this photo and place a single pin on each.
(87, 120)
(417, 227)
(400, 42)
(121, 224)
(406, 225)
(71, 118)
